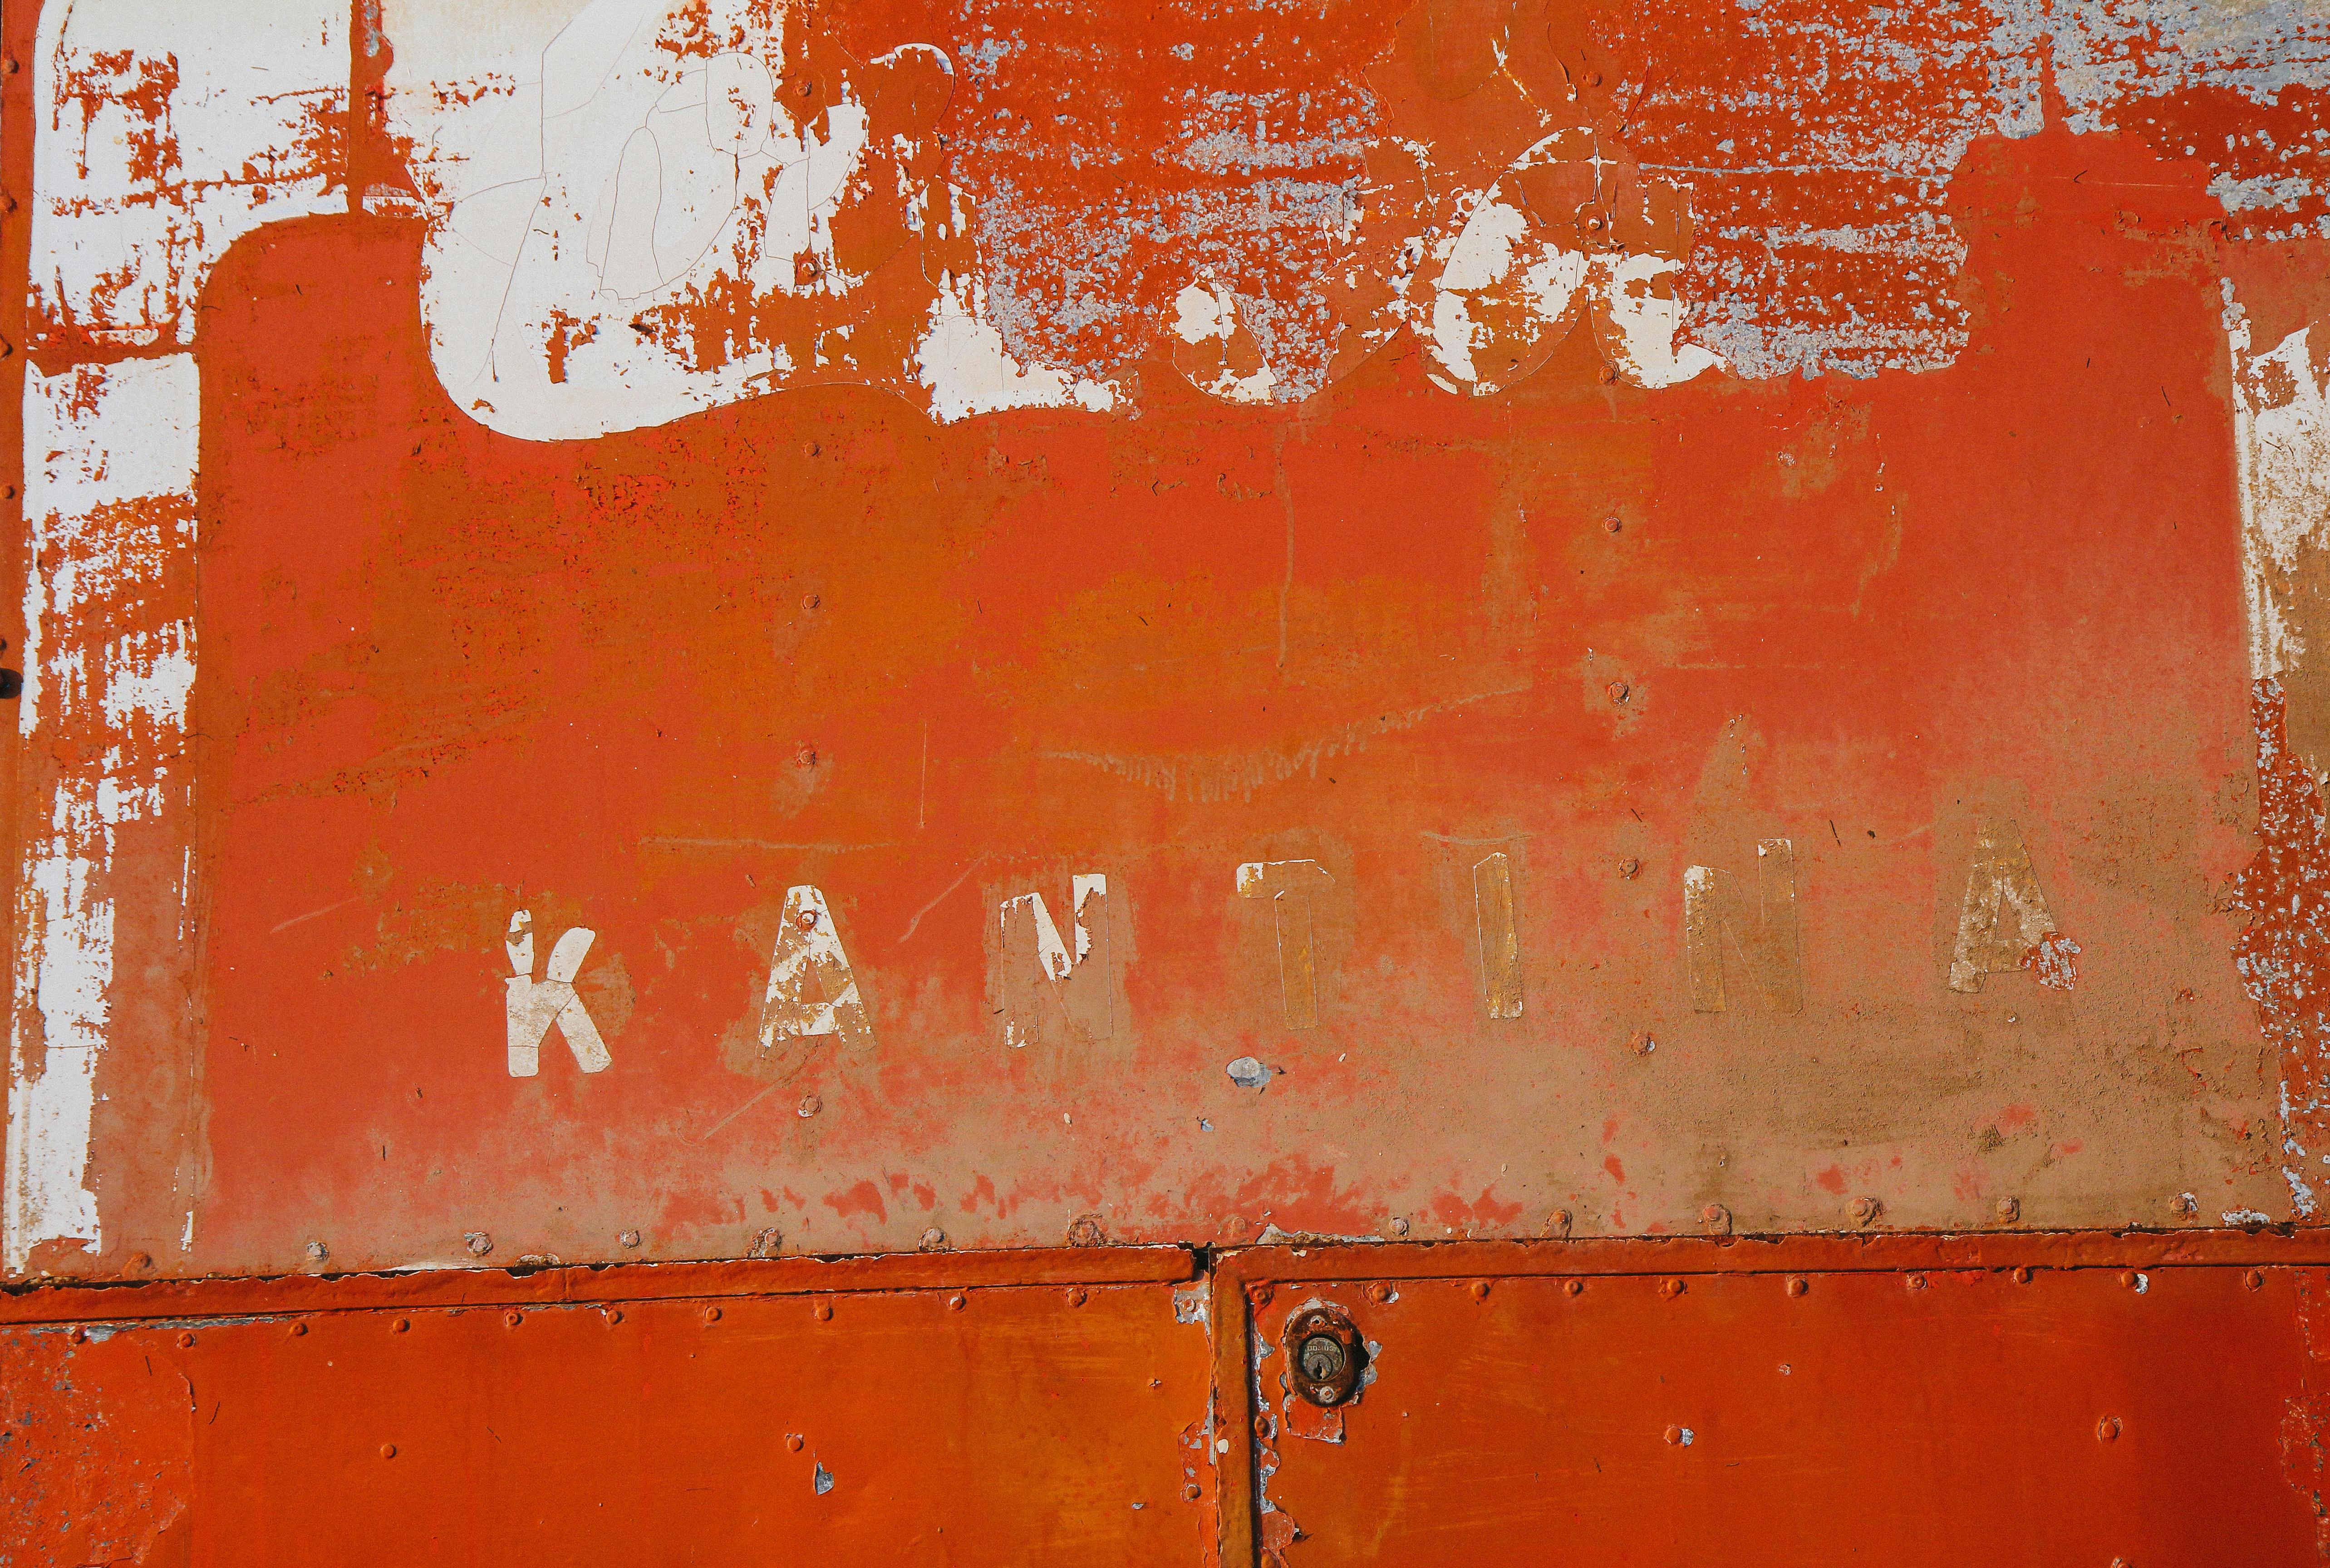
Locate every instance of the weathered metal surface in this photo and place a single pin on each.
(661, 631)
(1037, 1421)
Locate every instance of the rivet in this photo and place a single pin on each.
(1395, 1226)
(1609, 376)
(712, 1314)
(8, 66)
(1574, 1286)
(1717, 1219)
(1864, 1210)
(794, 1441)
(628, 1239)
(388, 1451)
(1612, 525)
(1916, 1282)
(2128, 1278)
(7, 201)
(186, 1341)
(957, 1303)
(822, 1312)
(1261, 1427)
(318, 1251)
(2184, 1206)
(298, 1329)
(7, 492)
(2254, 1279)
(614, 1316)
(2022, 1275)
(933, 1240)
(400, 1324)
(512, 1319)
(1592, 79)
(1642, 1043)
(1558, 1223)
(2009, 1210)
(1191, 1492)
(1673, 1434)
(1797, 1285)
(1594, 225)
(1672, 1288)
(1077, 1297)
(811, 601)
(2107, 1430)
(1260, 1295)
(809, 1106)
(76, 1335)
(1619, 691)
(6, 348)
(1479, 1290)
(479, 1242)
(1379, 1293)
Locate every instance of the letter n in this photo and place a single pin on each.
(1721, 919)
(1045, 985)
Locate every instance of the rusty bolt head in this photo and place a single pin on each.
(1379, 1293)
(1261, 1427)
(1594, 224)
(186, 1341)
(2022, 1275)
(2009, 1210)
(956, 1303)
(512, 1319)
(76, 1335)
(318, 1251)
(8, 66)
(807, 758)
(1864, 1210)
(400, 1324)
(1559, 1222)
(1085, 1231)
(1609, 376)
(933, 1240)
(1797, 1285)
(1479, 1290)
(1717, 1219)
(822, 1312)
(298, 1330)
(809, 1106)
(628, 1239)
(806, 920)
(2254, 1279)
(1630, 868)
(2184, 1206)
(1672, 1288)
(614, 1316)
(388, 1451)
(1612, 525)
(1574, 1286)
(1397, 1225)
(479, 1242)
(1191, 1491)
(712, 1314)
(1077, 1297)
(811, 601)
(1640, 1044)
(2107, 1430)
(1674, 1435)
(794, 1441)
(1619, 691)
(2128, 1277)
(1915, 1282)
(1260, 1294)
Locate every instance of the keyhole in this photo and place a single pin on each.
(1322, 1358)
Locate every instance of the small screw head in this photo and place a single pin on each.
(1573, 1287)
(2254, 1279)
(822, 1312)
(1619, 691)
(400, 1324)
(1672, 1288)
(712, 1314)
(1479, 1290)
(2009, 1210)
(794, 1441)
(1797, 1285)
(2107, 1430)
(806, 920)
(298, 1330)
(1077, 1297)
(1613, 524)
(957, 1303)
(511, 1320)
(388, 1451)
(186, 1341)
(933, 1240)
(1379, 1293)
(2021, 1274)
(479, 1242)
(628, 1239)
(1864, 1210)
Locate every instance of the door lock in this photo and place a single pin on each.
(1324, 1355)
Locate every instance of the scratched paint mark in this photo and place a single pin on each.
(533, 1007)
(1761, 932)
(1289, 886)
(1500, 936)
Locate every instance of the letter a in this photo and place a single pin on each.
(811, 990)
(2005, 916)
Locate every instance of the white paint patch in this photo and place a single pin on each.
(963, 363)
(1206, 316)
(1643, 338)
(532, 1008)
(2281, 449)
(109, 498)
(131, 209)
